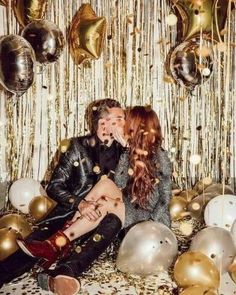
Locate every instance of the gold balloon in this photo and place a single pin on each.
(199, 290)
(87, 34)
(202, 184)
(232, 271)
(195, 16)
(16, 222)
(41, 206)
(188, 195)
(27, 11)
(197, 206)
(195, 268)
(178, 207)
(8, 243)
(218, 189)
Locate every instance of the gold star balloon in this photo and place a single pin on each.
(196, 16)
(87, 34)
(27, 11)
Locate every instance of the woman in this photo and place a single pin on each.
(143, 175)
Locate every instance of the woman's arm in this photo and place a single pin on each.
(163, 189)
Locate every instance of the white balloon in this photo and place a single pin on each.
(148, 248)
(233, 231)
(221, 211)
(22, 191)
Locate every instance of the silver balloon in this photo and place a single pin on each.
(148, 248)
(46, 39)
(216, 243)
(17, 62)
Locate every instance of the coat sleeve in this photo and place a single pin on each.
(121, 173)
(58, 188)
(163, 189)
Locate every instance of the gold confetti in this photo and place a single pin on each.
(78, 249)
(97, 238)
(130, 171)
(96, 169)
(60, 241)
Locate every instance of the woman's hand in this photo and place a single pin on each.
(89, 210)
(118, 135)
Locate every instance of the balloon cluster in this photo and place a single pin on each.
(42, 41)
(150, 247)
(28, 197)
(199, 25)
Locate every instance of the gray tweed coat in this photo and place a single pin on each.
(158, 204)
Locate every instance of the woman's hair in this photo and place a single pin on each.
(144, 137)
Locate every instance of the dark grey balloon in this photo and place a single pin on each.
(17, 64)
(46, 39)
(185, 65)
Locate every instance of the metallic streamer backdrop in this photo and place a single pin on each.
(132, 70)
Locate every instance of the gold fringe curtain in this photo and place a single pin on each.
(131, 70)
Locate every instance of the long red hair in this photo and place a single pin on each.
(143, 131)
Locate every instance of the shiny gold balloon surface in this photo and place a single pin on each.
(232, 271)
(188, 195)
(16, 222)
(41, 206)
(87, 34)
(195, 268)
(199, 290)
(196, 16)
(219, 189)
(178, 207)
(197, 205)
(8, 243)
(27, 11)
(202, 184)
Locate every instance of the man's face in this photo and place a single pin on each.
(114, 118)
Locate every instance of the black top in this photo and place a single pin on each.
(105, 157)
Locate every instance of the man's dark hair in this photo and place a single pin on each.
(97, 109)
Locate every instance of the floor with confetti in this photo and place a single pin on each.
(104, 278)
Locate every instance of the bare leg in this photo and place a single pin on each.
(111, 203)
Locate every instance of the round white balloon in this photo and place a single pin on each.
(22, 191)
(233, 231)
(221, 211)
(148, 248)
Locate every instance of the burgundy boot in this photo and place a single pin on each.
(58, 245)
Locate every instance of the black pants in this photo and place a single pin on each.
(19, 263)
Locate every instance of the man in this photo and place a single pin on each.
(88, 159)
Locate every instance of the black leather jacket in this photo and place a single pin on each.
(74, 177)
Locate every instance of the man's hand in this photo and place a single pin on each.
(89, 210)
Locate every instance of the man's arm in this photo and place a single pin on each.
(58, 188)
